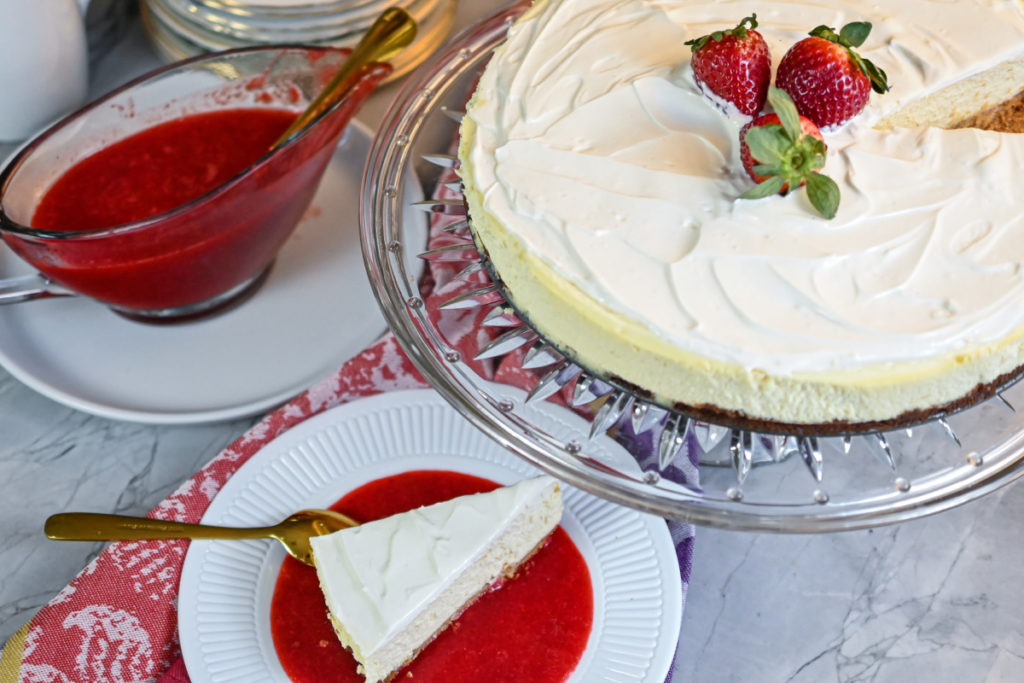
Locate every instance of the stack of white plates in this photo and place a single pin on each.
(184, 28)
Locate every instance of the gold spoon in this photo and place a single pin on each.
(393, 30)
(293, 533)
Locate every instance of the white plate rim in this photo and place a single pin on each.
(247, 499)
(243, 407)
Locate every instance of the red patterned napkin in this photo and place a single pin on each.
(117, 620)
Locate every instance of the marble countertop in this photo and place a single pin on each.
(936, 599)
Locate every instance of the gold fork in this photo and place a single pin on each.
(293, 532)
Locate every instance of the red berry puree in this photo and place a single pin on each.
(159, 168)
(533, 628)
(192, 254)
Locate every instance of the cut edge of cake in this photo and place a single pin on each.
(961, 100)
(531, 511)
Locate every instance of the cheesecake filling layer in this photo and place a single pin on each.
(592, 144)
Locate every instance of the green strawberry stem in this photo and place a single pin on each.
(789, 158)
(850, 36)
(748, 23)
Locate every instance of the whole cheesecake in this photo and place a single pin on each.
(604, 189)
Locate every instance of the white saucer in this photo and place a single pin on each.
(315, 311)
(226, 586)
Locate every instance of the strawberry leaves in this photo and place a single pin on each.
(785, 150)
(850, 36)
(740, 31)
(823, 193)
(854, 34)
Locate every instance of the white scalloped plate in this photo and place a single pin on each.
(226, 586)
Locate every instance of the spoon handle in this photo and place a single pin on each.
(91, 526)
(393, 30)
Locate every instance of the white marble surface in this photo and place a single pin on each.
(936, 599)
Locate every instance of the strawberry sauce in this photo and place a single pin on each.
(159, 169)
(533, 627)
(192, 251)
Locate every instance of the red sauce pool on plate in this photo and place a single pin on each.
(159, 168)
(534, 628)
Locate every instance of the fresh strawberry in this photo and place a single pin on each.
(734, 65)
(784, 150)
(829, 82)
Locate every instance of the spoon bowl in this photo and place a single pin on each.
(293, 532)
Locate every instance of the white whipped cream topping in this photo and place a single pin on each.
(379, 576)
(595, 146)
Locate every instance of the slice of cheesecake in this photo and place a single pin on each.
(393, 584)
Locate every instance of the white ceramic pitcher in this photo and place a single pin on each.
(43, 63)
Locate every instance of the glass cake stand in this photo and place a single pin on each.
(753, 481)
